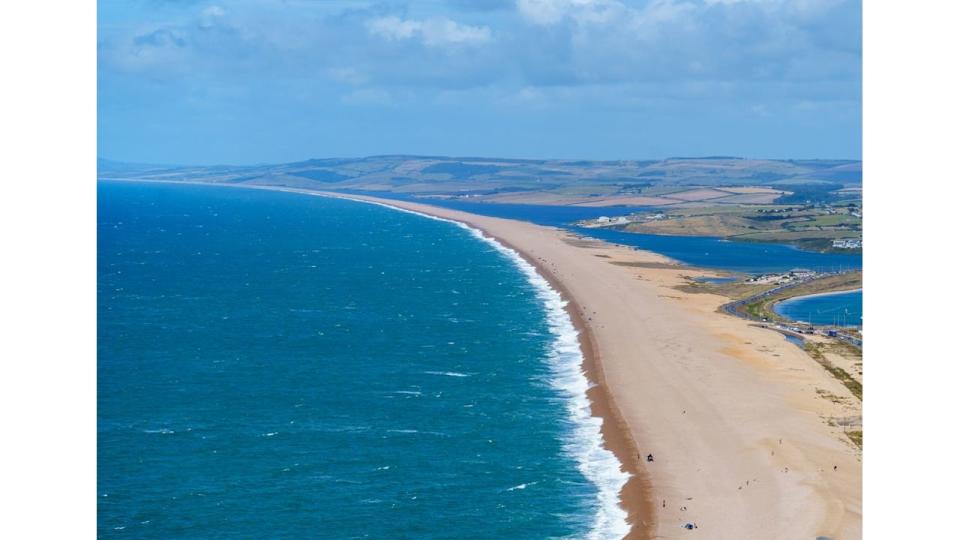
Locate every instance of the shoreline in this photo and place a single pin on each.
(639, 496)
(815, 295)
(795, 299)
(636, 496)
(774, 307)
(741, 445)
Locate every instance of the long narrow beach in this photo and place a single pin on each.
(743, 442)
(739, 436)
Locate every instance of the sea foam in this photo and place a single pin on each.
(585, 442)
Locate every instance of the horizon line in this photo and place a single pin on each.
(453, 157)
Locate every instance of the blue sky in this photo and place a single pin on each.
(240, 82)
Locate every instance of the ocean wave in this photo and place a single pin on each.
(417, 432)
(448, 373)
(585, 442)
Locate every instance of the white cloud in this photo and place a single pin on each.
(214, 11)
(659, 13)
(590, 42)
(609, 12)
(209, 16)
(394, 27)
(542, 11)
(547, 12)
(793, 6)
(434, 32)
(615, 24)
(440, 31)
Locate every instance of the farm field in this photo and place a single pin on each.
(808, 203)
(808, 226)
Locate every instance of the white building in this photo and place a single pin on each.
(848, 243)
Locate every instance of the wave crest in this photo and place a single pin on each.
(585, 442)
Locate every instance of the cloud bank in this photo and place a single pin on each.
(776, 58)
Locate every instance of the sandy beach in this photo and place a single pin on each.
(743, 426)
(734, 416)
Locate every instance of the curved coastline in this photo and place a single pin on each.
(654, 354)
(794, 299)
(583, 380)
(814, 295)
(831, 505)
(636, 494)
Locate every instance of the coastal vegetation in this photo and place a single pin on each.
(813, 226)
(857, 437)
(829, 354)
(816, 351)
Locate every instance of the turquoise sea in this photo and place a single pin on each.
(276, 365)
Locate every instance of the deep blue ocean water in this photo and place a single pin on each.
(841, 309)
(276, 365)
(701, 251)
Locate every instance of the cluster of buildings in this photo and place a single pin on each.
(848, 243)
(623, 220)
(784, 278)
(619, 220)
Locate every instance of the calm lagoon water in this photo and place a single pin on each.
(701, 251)
(554, 216)
(746, 257)
(840, 308)
(715, 280)
(274, 365)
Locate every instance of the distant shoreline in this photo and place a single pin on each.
(814, 295)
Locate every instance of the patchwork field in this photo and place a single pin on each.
(813, 227)
(810, 203)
